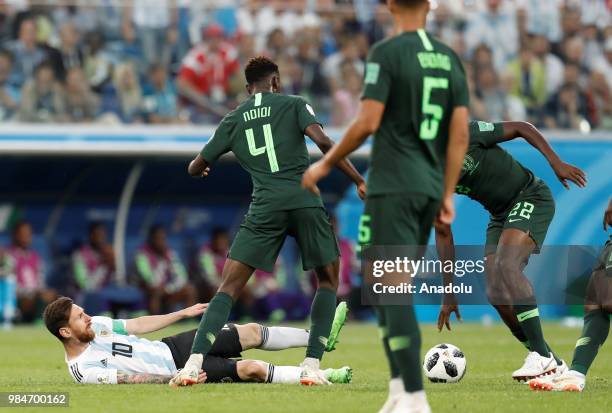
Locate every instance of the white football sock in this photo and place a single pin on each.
(280, 338)
(396, 386)
(283, 374)
(311, 362)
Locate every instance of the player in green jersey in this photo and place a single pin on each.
(266, 134)
(597, 310)
(521, 208)
(415, 101)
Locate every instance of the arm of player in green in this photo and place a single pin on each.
(445, 245)
(151, 323)
(532, 135)
(325, 143)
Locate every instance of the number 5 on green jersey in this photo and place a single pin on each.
(430, 126)
(268, 148)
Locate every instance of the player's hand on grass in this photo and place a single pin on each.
(361, 190)
(195, 310)
(314, 174)
(446, 215)
(449, 307)
(566, 172)
(202, 377)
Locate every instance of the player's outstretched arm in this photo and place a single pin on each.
(198, 168)
(532, 135)
(366, 123)
(455, 152)
(148, 324)
(445, 245)
(145, 378)
(325, 143)
(607, 220)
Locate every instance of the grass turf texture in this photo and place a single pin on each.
(32, 360)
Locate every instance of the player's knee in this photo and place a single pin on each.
(250, 335)
(505, 265)
(327, 276)
(252, 370)
(591, 307)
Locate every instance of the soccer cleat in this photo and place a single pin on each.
(339, 320)
(568, 381)
(535, 366)
(411, 403)
(343, 375)
(312, 377)
(561, 369)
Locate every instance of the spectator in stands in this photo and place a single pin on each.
(42, 97)
(493, 97)
(277, 44)
(573, 53)
(601, 98)
(160, 104)
(152, 20)
(210, 261)
(9, 94)
(5, 22)
(162, 275)
(96, 61)
(346, 98)
(93, 264)
(497, 28)
(553, 66)
(94, 272)
(8, 294)
(565, 109)
(129, 104)
(81, 103)
(70, 53)
(529, 80)
(27, 267)
(309, 59)
(26, 53)
(205, 75)
(332, 65)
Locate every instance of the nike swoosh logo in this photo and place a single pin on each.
(514, 220)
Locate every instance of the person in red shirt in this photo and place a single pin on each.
(204, 77)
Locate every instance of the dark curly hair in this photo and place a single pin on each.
(259, 68)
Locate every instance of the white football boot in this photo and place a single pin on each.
(313, 377)
(571, 381)
(188, 375)
(396, 389)
(535, 366)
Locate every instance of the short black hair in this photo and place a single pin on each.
(94, 225)
(57, 314)
(411, 3)
(259, 68)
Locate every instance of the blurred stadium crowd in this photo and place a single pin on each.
(158, 279)
(178, 61)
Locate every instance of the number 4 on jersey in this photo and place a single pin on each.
(268, 148)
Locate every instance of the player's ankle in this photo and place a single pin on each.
(311, 362)
(396, 386)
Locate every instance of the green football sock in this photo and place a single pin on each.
(384, 336)
(594, 334)
(321, 319)
(405, 344)
(529, 318)
(212, 322)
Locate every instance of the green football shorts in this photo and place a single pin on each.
(531, 212)
(262, 235)
(397, 219)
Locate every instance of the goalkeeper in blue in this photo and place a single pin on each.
(597, 310)
(101, 350)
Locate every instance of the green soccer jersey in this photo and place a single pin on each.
(266, 133)
(490, 175)
(420, 80)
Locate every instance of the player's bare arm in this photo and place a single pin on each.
(458, 141)
(198, 167)
(143, 378)
(445, 245)
(149, 324)
(325, 143)
(534, 137)
(607, 219)
(365, 124)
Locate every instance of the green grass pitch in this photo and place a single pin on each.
(32, 360)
